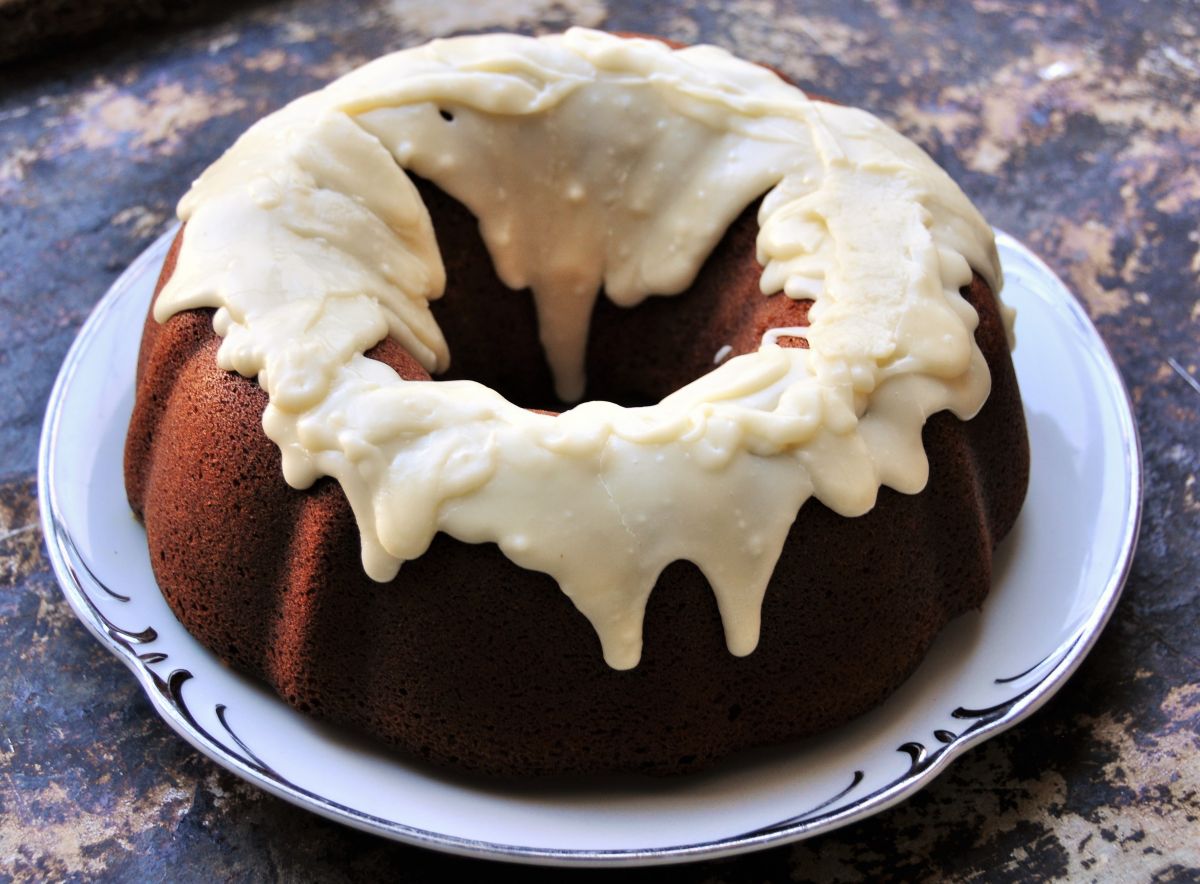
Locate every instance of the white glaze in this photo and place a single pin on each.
(592, 162)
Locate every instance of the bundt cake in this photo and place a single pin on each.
(778, 486)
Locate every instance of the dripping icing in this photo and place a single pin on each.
(592, 162)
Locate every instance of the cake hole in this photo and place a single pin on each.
(446, 115)
(636, 356)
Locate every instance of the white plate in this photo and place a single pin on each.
(1057, 581)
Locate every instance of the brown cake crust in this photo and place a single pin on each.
(467, 660)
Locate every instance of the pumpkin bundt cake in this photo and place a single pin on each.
(776, 487)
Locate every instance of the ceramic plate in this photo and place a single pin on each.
(1057, 580)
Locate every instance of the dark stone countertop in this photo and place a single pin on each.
(1075, 126)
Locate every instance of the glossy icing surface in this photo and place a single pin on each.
(593, 163)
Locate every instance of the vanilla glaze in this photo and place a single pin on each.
(593, 163)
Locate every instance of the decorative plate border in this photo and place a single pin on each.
(81, 586)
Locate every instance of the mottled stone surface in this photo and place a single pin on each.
(1076, 126)
(38, 28)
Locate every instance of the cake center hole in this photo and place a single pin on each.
(635, 356)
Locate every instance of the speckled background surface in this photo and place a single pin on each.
(1075, 126)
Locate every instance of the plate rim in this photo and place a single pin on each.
(166, 700)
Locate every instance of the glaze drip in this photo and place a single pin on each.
(593, 163)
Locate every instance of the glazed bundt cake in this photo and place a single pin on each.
(780, 484)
